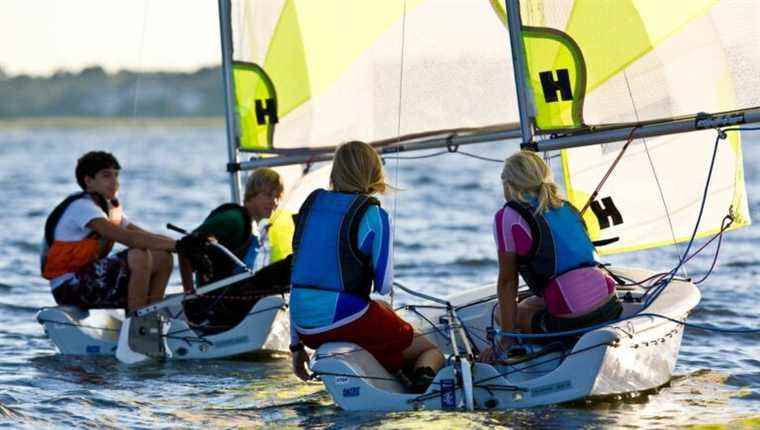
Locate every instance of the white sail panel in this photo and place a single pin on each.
(654, 194)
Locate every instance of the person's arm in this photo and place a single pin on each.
(299, 356)
(375, 239)
(131, 237)
(506, 288)
(186, 274)
(134, 227)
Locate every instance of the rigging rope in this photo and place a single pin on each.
(398, 133)
(609, 171)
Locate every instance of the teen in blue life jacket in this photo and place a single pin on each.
(341, 253)
(543, 239)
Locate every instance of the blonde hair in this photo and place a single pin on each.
(261, 180)
(357, 168)
(526, 173)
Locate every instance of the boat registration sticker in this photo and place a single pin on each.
(341, 380)
(551, 388)
(351, 392)
(448, 394)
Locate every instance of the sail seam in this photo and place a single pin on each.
(398, 134)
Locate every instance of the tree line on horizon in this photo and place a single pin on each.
(93, 92)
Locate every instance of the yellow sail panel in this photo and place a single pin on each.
(557, 76)
(613, 34)
(336, 32)
(286, 61)
(281, 230)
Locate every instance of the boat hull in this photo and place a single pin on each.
(80, 332)
(633, 355)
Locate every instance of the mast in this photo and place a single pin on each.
(225, 32)
(514, 25)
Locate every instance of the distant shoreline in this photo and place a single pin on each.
(94, 122)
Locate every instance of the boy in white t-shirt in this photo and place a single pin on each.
(79, 235)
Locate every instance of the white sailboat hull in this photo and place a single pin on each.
(633, 355)
(96, 332)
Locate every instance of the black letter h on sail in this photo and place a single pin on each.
(263, 111)
(550, 86)
(609, 210)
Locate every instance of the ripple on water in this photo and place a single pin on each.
(16, 309)
(443, 233)
(25, 246)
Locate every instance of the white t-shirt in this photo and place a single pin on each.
(72, 227)
(264, 253)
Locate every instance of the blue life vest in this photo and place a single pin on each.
(560, 244)
(325, 253)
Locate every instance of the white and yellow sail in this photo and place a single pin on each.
(311, 74)
(594, 63)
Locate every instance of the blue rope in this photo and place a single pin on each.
(656, 291)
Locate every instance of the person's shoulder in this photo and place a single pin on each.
(375, 212)
(228, 212)
(84, 204)
(509, 215)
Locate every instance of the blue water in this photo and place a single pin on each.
(443, 242)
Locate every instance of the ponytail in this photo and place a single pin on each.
(526, 175)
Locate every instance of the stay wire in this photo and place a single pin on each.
(654, 171)
(398, 133)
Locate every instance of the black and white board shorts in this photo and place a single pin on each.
(101, 284)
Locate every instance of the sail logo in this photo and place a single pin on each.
(266, 111)
(256, 105)
(552, 86)
(606, 211)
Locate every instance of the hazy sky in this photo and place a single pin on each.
(39, 37)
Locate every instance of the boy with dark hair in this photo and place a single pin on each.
(80, 233)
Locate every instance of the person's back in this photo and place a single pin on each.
(561, 268)
(341, 249)
(543, 239)
(333, 279)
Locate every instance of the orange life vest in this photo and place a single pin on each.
(61, 257)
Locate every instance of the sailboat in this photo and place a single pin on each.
(641, 100)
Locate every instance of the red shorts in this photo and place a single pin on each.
(379, 331)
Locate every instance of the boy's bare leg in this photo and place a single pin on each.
(140, 266)
(159, 277)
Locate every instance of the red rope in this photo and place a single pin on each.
(609, 171)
